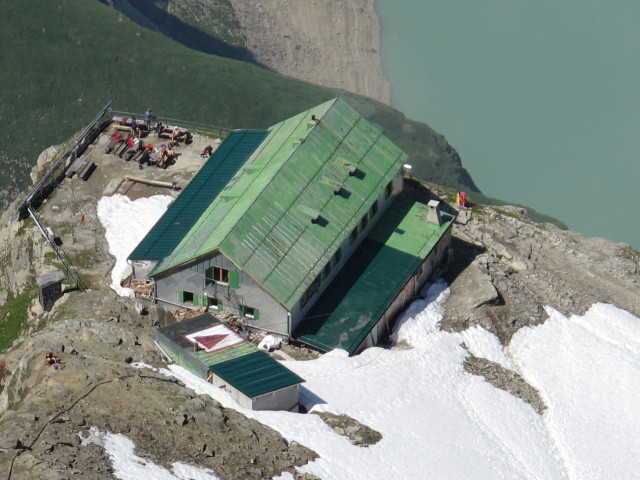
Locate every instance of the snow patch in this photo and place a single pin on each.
(126, 222)
(129, 466)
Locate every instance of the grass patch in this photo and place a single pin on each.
(50, 257)
(510, 214)
(631, 253)
(13, 318)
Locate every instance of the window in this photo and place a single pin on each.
(311, 291)
(389, 189)
(354, 235)
(363, 223)
(374, 209)
(222, 275)
(327, 270)
(249, 312)
(212, 302)
(188, 297)
(336, 258)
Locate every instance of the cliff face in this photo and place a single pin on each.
(335, 43)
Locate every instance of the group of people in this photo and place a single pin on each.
(130, 146)
(51, 359)
(148, 118)
(133, 148)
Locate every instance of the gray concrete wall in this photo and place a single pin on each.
(236, 394)
(284, 399)
(195, 279)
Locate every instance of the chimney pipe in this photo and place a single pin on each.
(434, 212)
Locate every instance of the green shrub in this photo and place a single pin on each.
(13, 318)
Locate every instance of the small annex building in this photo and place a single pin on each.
(211, 350)
(297, 229)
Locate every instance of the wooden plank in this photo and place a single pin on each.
(78, 165)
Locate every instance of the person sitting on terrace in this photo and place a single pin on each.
(146, 155)
(175, 133)
(167, 158)
(206, 153)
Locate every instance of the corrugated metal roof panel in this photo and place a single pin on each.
(372, 278)
(256, 374)
(198, 195)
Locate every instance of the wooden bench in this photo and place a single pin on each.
(77, 165)
(87, 171)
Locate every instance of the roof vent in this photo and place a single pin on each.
(313, 215)
(228, 195)
(353, 170)
(252, 168)
(308, 212)
(331, 182)
(348, 166)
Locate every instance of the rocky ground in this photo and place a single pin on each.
(99, 335)
(505, 269)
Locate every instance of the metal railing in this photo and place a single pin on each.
(62, 256)
(191, 125)
(77, 148)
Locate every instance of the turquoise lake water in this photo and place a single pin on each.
(541, 99)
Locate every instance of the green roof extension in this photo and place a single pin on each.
(245, 367)
(255, 373)
(285, 212)
(198, 195)
(374, 275)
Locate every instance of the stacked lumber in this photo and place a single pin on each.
(143, 288)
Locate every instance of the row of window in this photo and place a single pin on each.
(355, 233)
(216, 303)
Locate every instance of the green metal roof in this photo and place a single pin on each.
(198, 195)
(374, 275)
(255, 374)
(244, 366)
(279, 218)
